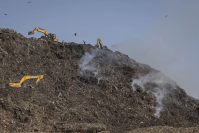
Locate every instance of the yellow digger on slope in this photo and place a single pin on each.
(39, 77)
(49, 35)
(99, 42)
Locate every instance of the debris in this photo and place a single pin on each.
(90, 87)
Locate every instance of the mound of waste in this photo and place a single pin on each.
(84, 89)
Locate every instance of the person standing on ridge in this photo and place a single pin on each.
(84, 41)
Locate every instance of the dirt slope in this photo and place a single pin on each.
(84, 89)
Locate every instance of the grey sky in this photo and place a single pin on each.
(138, 28)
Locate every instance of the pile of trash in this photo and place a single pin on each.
(84, 89)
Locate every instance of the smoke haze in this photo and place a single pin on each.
(159, 79)
(170, 45)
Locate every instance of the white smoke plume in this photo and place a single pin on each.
(160, 91)
(91, 65)
(86, 63)
(159, 94)
(99, 63)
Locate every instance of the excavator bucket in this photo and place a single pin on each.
(30, 32)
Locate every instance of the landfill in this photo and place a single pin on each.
(85, 89)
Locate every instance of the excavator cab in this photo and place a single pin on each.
(53, 36)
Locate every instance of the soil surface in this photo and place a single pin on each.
(86, 90)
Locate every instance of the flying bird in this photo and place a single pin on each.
(166, 16)
(29, 2)
(5, 14)
(75, 34)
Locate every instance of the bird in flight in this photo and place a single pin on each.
(29, 2)
(5, 14)
(166, 16)
(75, 34)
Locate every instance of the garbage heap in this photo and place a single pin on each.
(84, 89)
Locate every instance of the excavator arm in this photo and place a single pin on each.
(52, 36)
(38, 29)
(25, 78)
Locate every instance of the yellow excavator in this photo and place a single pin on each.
(39, 77)
(49, 35)
(99, 42)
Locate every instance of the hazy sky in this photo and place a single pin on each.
(138, 28)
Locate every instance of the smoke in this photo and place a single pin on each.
(158, 93)
(94, 64)
(100, 64)
(162, 83)
(170, 45)
(88, 66)
(86, 63)
(97, 62)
